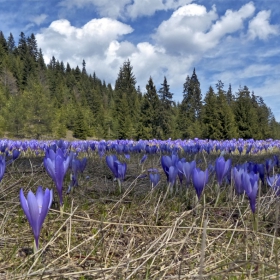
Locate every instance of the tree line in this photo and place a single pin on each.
(40, 100)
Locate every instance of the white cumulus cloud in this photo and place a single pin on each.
(192, 29)
(259, 26)
(65, 41)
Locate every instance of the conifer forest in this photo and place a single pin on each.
(46, 99)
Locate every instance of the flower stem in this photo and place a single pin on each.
(61, 210)
(35, 247)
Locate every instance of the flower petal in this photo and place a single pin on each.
(45, 208)
(40, 197)
(24, 205)
(34, 213)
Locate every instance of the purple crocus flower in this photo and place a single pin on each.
(2, 167)
(167, 161)
(186, 168)
(118, 168)
(200, 179)
(143, 159)
(76, 166)
(56, 165)
(250, 185)
(221, 168)
(154, 178)
(269, 164)
(121, 169)
(237, 174)
(36, 208)
(172, 175)
(16, 154)
(274, 183)
(110, 162)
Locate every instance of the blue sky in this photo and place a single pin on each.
(236, 41)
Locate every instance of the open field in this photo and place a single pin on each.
(140, 233)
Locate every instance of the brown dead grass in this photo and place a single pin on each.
(139, 234)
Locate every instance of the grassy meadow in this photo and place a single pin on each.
(140, 233)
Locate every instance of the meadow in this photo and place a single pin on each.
(141, 232)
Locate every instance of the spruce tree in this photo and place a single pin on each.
(189, 116)
(230, 96)
(3, 42)
(80, 128)
(245, 114)
(228, 128)
(166, 121)
(11, 44)
(126, 95)
(212, 125)
(150, 113)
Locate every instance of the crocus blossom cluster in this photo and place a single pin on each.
(174, 166)
(190, 146)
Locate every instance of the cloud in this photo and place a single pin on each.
(259, 26)
(65, 41)
(140, 8)
(129, 9)
(105, 8)
(39, 19)
(192, 29)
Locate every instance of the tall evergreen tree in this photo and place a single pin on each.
(228, 128)
(22, 45)
(11, 43)
(80, 130)
(3, 42)
(212, 125)
(189, 116)
(125, 93)
(32, 47)
(229, 96)
(245, 114)
(150, 113)
(166, 120)
(263, 117)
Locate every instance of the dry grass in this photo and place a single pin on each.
(140, 234)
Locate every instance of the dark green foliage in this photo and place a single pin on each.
(189, 117)
(44, 101)
(210, 116)
(226, 119)
(39, 111)
(11, 43)
(245, 114)
(126, 103)
(3, 42)
(165, 112)
(150, 116)
(80, 128)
